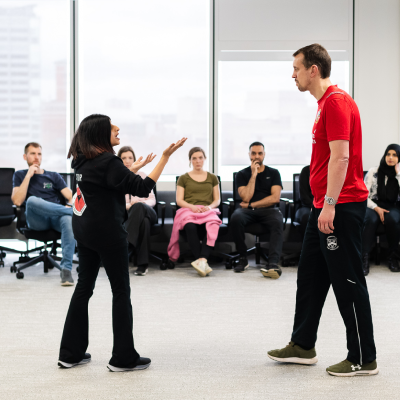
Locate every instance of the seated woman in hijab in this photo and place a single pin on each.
(383, 185)
(141, 216)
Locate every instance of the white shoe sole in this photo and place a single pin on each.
(295, 360)
(67, 284)
(140, 273)
(270, 273)
(63, 364)
(355, 373)
(200, 271)
(137, 368)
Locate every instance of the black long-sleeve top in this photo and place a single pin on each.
(306, 196)
(99, 199)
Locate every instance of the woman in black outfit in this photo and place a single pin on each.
(99, 214)
(383, 185)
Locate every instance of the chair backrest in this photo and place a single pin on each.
(155, 207)
(6, 187)
(68, 178)
(236, 197)
(296, 192)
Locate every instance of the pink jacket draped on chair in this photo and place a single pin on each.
(184, 216)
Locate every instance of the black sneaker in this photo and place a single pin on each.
(87, 358)
(142, 364)
(272, 271)
(393, 263)
(365, 263)
(141, 270)
(241, 265)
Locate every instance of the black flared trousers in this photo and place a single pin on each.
(75, 338)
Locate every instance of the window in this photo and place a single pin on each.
(34, 83)
(258, 101)
(146, 65)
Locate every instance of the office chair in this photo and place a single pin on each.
(223, 228)
(7, 210)
(258, 230)
(295, 205)
(380, 233)
(48, 236)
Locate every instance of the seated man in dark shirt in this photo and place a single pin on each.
(39, 191)
(260, 188)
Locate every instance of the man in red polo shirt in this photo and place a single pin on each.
(331, 253)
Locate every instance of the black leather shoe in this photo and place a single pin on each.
(393, 263)
(365, 263)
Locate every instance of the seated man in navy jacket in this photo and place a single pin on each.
(260, 188)
(39, 190)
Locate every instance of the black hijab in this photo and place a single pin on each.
(390, 191)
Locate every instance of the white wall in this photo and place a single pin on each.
(376, 74)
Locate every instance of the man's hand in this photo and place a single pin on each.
(255, 166)
(33, 169)
(244, 204)
(173, 147)
(325, 220)
(381, 212)
(140, 163)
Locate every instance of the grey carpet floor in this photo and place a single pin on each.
(207, 338)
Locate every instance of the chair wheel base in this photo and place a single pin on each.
(20, 275)
(163, 266)
(13, 269)
(229, 264)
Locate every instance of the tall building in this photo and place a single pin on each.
(19, 82)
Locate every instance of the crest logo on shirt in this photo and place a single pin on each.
(79, 202)
(318, 115)
(47, 185)
(332, 243)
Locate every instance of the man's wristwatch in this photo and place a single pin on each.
(250, 207)
(330, 200)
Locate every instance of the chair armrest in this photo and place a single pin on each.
(231, 208)
(174, 208)
(162, 205)
(21, 223)
(287, 205)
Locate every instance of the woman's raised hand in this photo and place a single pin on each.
(173, 147)
(140, 162)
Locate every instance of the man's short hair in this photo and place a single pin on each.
(33, 144)
(315, 54)
(256, 144)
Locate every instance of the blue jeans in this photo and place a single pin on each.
(42, 215)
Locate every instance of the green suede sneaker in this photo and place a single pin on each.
(347, 368)
(293, 353)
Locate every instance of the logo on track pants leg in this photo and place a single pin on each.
(332, 243)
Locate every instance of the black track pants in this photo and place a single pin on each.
(335, 259)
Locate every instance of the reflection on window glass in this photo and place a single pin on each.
(145, 64)
(259, 101)
(34, 70)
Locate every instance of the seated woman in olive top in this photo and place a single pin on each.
(198, 188)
